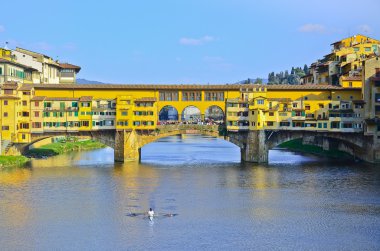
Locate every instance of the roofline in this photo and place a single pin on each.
(185, 87)
(34, 52)
(17, 64)
(355, 35)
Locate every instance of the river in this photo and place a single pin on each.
(83, 201)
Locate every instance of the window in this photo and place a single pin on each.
(5, 128)
(24, 103)
(214, 96)
(307, 107)
(5, 114)
(350, 84)
(124, 113)
(269, 123)
(321, 106)
(168, 96)
(367, 48)
(260, 101)
(271, 114)
(253, 112)
(24, 125)
(191, 96)
(356, 49)
(136, 123)
(377, 97)
(294, 105)
(377, 74)
(338, 97)
(36, 103)
(8, 91)
(85, 123)
(36, 125)
(284, 123)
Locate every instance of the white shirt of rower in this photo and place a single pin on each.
(150, 213)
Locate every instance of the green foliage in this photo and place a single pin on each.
(258, 81)
(62, 147)
(293, 78)
(12, 161)
(297, 145)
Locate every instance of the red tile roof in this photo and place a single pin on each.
(38, 98)
(85, 98)
(226, 87)
(70, 66)
(61, 99)
(352, 78)
(146, 99)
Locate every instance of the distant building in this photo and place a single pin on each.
(25, 66)
(343, 63)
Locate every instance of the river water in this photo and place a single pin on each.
(83, 201)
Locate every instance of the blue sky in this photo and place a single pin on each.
(183, 42)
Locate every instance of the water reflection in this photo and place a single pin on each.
(294, 202)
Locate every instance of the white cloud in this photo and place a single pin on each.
(196, 41)
(2, 28)
(316, 28)
(364, 28)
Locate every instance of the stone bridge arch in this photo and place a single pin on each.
(106, 137)
(256, 144)
(129, 143)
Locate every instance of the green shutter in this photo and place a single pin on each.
(293, 113)
(76, 114)
(303, 113)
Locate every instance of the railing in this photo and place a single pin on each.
(220, 129)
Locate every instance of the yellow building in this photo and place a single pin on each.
(344, 61)
(306, 107)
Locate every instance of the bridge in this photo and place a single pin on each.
(254, 145)
(257, 117)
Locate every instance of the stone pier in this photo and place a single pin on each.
(255, 148)
(127, 147)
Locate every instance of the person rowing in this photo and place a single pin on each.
(150, 214)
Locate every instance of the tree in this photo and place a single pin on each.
(294, 79)
(286, 74)
(258, 81)
(306, 69)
